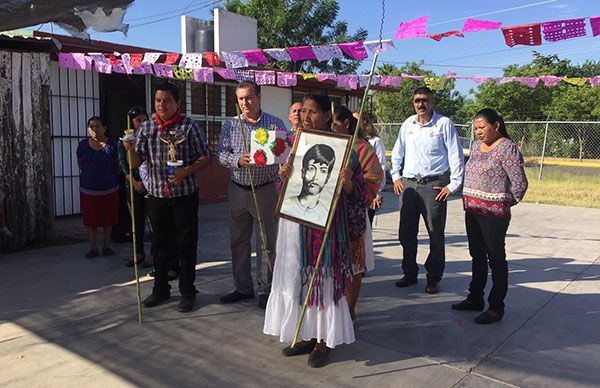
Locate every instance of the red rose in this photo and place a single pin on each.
(278, 146)
(260, 158)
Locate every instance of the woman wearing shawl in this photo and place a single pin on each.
(363, 256)
(327, 322)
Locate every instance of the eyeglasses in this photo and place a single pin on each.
(420, 100)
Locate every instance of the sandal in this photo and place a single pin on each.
(91, 254)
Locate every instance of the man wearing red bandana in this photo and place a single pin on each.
(172, 199)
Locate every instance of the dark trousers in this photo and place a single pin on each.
(242, 221)
(371, 212)
(486, 237)
(139, 206)
(174, 225)
(415, 201)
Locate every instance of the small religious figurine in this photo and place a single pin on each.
(172, 139)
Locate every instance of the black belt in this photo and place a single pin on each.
(248, 187)
(423, 180)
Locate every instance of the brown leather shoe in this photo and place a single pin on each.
(406, 281)
(433, 287)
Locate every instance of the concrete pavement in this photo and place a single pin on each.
(70, 321)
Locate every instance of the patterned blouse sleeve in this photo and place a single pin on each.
(513, 164)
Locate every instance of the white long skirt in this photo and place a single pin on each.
(331, 324)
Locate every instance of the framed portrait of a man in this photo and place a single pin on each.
(316, 160)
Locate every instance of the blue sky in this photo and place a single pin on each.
(479, 53)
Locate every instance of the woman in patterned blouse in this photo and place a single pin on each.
(494, 182)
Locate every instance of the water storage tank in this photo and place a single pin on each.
(204, 36)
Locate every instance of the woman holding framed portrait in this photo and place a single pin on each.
(311, 178)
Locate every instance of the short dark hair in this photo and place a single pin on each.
(320, 153)
(248, 84)
(168, 87)
(135, 112)
(342, 113)
(492, 117)
(423, 90)
(96, 118)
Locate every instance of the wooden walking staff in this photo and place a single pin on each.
(261, 227)
(130, 132)
(336, 199)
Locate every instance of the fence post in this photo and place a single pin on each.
(544, 149)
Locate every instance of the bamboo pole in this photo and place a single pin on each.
(336, 199)
(135, 258)
(261, 227)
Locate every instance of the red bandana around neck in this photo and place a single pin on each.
(164, 125)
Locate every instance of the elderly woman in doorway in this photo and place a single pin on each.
(494, 182)
(98, 183)
(327, 322)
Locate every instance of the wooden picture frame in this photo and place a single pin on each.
(316, 159)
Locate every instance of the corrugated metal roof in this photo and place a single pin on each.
(24, 40)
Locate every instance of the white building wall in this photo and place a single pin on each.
(277, 101)
(234, 32)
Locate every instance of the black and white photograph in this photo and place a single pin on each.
(316, 162)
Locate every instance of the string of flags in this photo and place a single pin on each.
(187, 67)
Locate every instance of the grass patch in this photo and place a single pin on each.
(562, 188)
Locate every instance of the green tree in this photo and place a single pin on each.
(289, 23)
(397, 106)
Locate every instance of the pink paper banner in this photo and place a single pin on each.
(480, 80)
(234, 59)
(414, 29)
(205, 75)
(550, 80)
(228, 74)
(595, 23)
(504, 80)
(529, 81)
(354, 50)
(373, 45)
(326, 77)
(473, 25)
(244, 75)
(364, 78)
(347, 81)
(301, 53)
(264, 77)
(163, 70)
(77, 61)
(144, 68)
(119, 67)
(286, 80)
(278, 54)
(594, 81)
(255, 57)
(102, 64)
(327, 51)
(563, 29)
(417, 77)
(390, 80)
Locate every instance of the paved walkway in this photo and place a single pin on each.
(69, 321)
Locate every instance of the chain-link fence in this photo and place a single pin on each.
(554, 147)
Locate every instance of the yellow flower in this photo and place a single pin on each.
(262, 136)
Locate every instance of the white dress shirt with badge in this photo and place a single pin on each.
(428, 150)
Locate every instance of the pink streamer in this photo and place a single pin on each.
(473, 25)
(481, 79)
(326, 77)
(528, 81)
(163, 70)
(550, 80)
(595, 23)
(348, 81)
(286, 80)
(266, 77)
(278, 54)
(563, 29)
(144, 68)
(354, 50)
(417, 77)
(594, 81)
(301, 53)
(413, 29)
(390, 80)
(374, 45)
(256, 57)
(205, 75)
(228, 74)
(77, 61)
